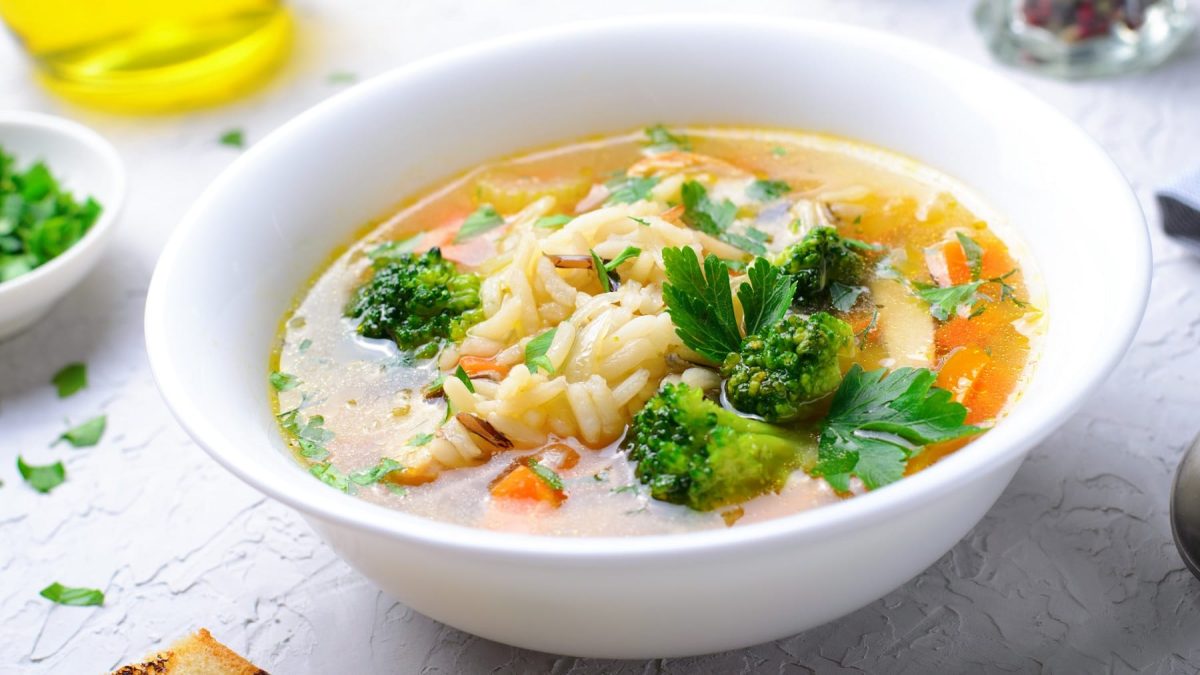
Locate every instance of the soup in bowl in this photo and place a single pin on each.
(742, 394)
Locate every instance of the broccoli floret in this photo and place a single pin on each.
(689, 450)
(418, 300)
(821, 258)
(780, 374)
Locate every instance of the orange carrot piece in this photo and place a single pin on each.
(475, 366)
(947, 263)
(523, 484)
(960, 370)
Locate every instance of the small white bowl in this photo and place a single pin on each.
(88, 166)
(273, 217)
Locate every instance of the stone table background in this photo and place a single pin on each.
(1072, 571)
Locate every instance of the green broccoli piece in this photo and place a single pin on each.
(780, 374)
(418, 300)
(824, 257)
(689, 450)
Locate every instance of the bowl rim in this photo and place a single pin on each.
(1001, 446)
(110, 208)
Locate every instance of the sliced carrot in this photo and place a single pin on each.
(961, 369)
(476, 366)
(995, 261)
(990, 393)
(472, 253)
(947, 263)
(523, 484)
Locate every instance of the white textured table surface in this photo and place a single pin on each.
(1072, 571)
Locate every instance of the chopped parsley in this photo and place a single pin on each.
(660, 139)
(420, 439)
(624, 189)
(39, 220)
(310, 435)
(945, 301)
(552, 222)
(714, 218)
(640, 221)
(462, 376)
(845, 297)
(607, 271)
(304, 345)
(86, 434)
(284, 382)
(536, 350)
(483, 219)
(392, 251)
(376, 473)
(72, 597)
(973, 253)
(42, 478)
(329, 475)
(877, 421)
(72, 378)
(778, 151)
(548, 476)
(341, 77)
(767, 190)
(233, 138)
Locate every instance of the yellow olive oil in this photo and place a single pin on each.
(151, 55)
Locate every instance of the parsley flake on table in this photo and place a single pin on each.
(72, 597)
(86, 434)
(234, 138)
(71, 379)
(39, 220)
(714, 218)
(536, 350)
(42, 478)
(483, 219)
(877, 421)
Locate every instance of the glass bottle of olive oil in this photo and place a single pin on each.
(151, 55)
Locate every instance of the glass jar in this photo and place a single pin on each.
(1084, 38)
(150, 55)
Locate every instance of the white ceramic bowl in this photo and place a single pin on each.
(272, 218)
(87, 165)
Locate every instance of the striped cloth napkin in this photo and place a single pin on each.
(1180, 206)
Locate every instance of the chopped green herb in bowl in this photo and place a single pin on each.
(39, 219)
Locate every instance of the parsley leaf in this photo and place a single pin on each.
(234, 138)
(536, 350)
(552, 222)
(420, 439)
(700, 303)
(713, 218)
(629, 252)
(601, 272)
(73, 597)
(629, 189)
(72, 378)
(483, 219)
(767, 190)
(329, 475)
(877, 421)
(390, 251)
(283, 381)
(545, 473)
(945, 301)
(376, 473)
(973, 253)
(42, 478)
(766, 297)
(310, 435)
(461, 374)
(660, 139)
(86, 434)
(845, 297)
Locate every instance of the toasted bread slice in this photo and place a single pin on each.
(196, 654)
